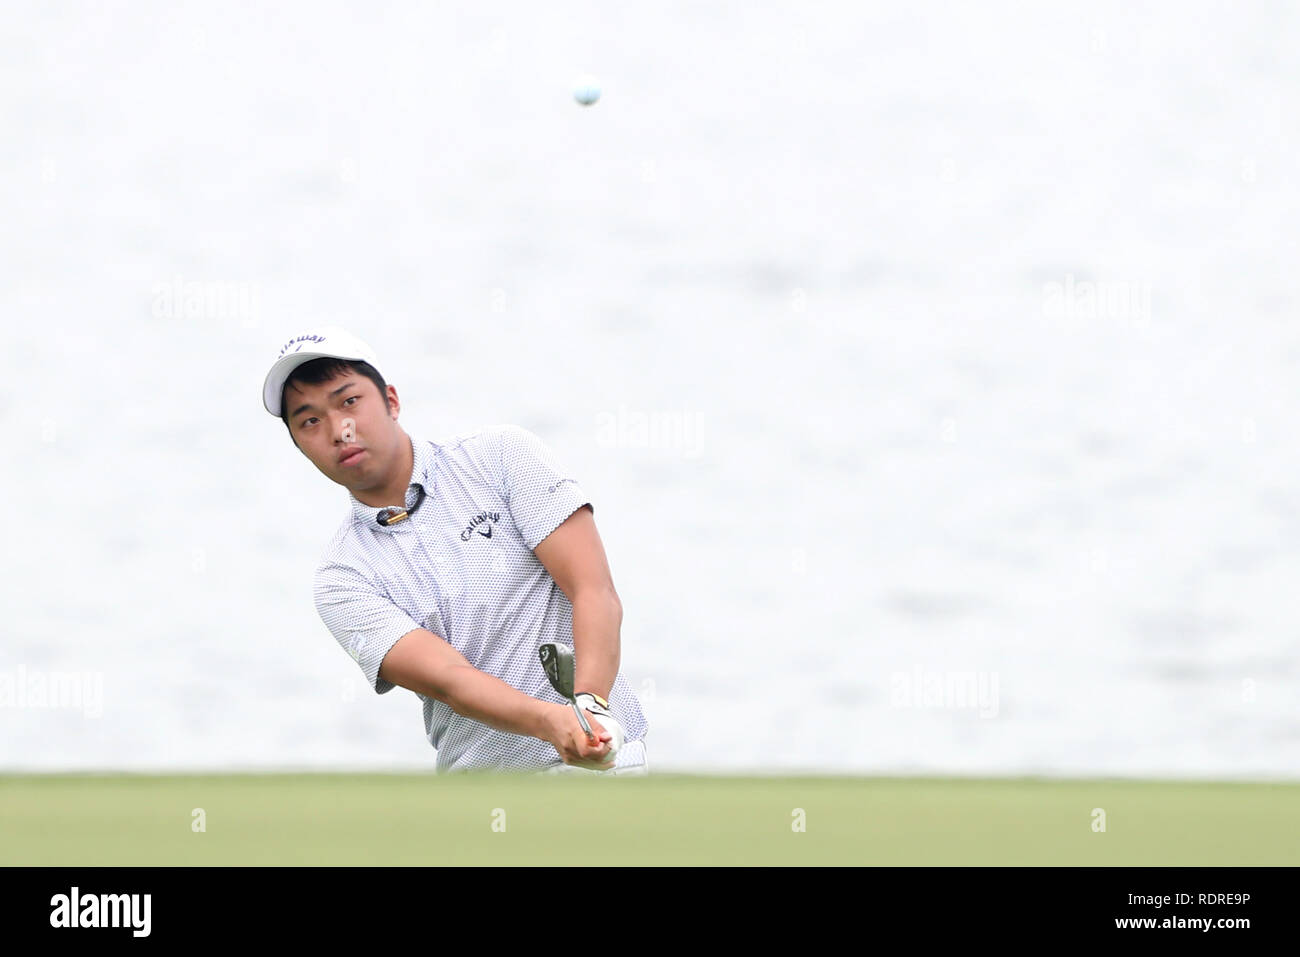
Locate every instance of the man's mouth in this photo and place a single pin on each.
(351, 458)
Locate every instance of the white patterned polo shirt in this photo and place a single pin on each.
(462, 566)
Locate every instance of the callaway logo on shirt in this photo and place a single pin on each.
(478, 522)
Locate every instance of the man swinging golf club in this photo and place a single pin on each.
(464, 570)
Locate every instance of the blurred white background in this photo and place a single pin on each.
(931, 367)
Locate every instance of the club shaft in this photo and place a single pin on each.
(582, 720)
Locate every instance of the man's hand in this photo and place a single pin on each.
(593, 707)
(571, 742)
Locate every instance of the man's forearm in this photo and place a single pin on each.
(480, 696)
(597, 620)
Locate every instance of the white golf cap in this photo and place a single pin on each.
(325, 342)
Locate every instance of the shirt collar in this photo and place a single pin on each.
(421, 478)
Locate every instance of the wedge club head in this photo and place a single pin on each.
(557, 662)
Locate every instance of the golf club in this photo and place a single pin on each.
(557, 662)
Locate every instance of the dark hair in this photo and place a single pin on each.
(322, 370)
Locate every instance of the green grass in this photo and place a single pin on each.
(422, 819)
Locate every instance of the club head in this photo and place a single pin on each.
(557, 662)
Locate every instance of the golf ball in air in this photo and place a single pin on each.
(586, 90)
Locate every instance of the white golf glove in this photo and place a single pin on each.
(600, 708)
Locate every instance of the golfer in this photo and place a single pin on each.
(455, 563)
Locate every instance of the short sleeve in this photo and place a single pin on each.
(539, 492)
(361, 617)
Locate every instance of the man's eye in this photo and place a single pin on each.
(351, 399)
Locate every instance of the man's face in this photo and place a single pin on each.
(331, 420)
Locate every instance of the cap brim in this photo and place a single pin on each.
(280, 372)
